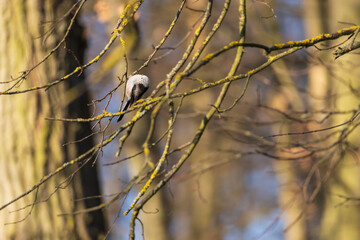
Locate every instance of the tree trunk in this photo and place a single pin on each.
(341, 219)
(290, 199)
(31, 146)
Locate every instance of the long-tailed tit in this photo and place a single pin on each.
(136, 86)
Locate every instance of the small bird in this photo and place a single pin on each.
(136, 86)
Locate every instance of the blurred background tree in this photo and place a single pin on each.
(277, 160)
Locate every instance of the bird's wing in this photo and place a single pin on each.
(126, 105)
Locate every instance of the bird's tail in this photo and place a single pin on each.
(126, 105)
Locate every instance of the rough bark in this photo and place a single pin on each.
(32, 146)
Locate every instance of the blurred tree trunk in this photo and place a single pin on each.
(315, 23)
(319, 86)
(155, 217)
(31, 146)
(290, 199)
(342, 221)
(202, 195)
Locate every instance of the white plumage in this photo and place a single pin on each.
(136, 86)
